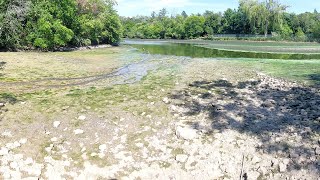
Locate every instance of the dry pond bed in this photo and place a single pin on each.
(115, 113)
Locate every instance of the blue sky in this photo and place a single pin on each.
(145, 7)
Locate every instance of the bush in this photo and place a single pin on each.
(300, 36)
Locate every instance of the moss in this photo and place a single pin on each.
(164, 164)
(177, 151)
(8, 97)
(77, 156)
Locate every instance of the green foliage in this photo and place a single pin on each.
(252, 17)
(12, 15)
(316, 31)
(48, 25)
(212, 23)
(194, 26)
(300, 35)
(286, 32)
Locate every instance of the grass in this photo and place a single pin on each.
(8, 97)
(295, 70)
(267, 48)
(27, 66)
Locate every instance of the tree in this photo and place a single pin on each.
(47, 24)
(194, 26)
(251, 17)
(12, 16)
(252, 9)
(268, 13)
(153, 15)
(163, 13)
(272, 13)
(300, 36)
(212, 22)
(50, 29)
(316, 32)
(184, 14)
(229, 21)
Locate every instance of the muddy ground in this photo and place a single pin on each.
(116, 113)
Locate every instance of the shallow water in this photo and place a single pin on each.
(182, 49)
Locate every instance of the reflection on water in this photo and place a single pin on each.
(202, 52)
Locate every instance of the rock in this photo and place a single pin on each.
(101, 155)
(93, 154)
(102, 147)
(267, 104)
(49, 149)
(14, 165)
(56, 124)
(82, 117)
(139, 145)
(282, 167)
(9, 145)
(182, 158)
(6, 175)
(6, 134)
(13, 145)
(2, 105)
(4, 151)
(166, 100)
(255, 160)
(28, 161)
(54, 139)
(78, 131)
(317, 151)
(81, 144)
(186, 133)
(303, 112)
(23, 141)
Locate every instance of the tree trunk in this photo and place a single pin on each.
(266, 28)
(268, 3)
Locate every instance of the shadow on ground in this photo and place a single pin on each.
(315, 78)
(5, 97)
(2, 64)
(284, 118)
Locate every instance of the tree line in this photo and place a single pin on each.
(50, 24)
(251, 17)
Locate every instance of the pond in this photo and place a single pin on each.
(196, 51)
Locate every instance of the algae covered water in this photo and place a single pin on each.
(198, 51)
